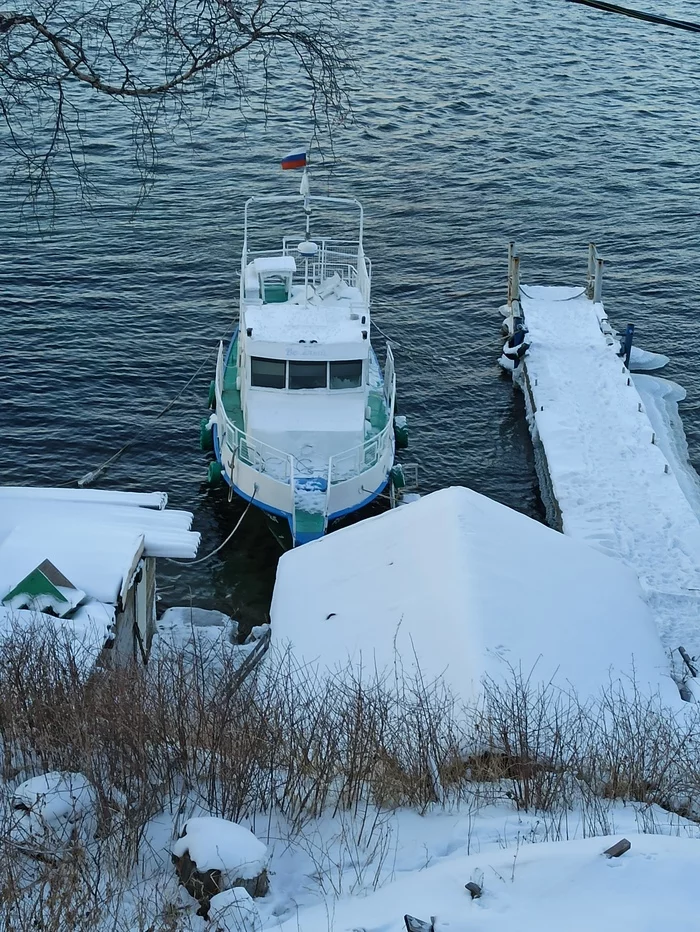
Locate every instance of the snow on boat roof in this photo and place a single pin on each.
(333, 321)
(465, 588)
(285, 412)
(275, 264)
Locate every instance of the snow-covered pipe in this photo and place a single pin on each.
(156, 500)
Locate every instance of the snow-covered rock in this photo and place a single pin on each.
(53, 810)
(189, 631)
(191, 616)
(257, 633)
(214, 855)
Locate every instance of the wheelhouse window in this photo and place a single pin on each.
(346, 373)
(308, 375)
(267, 373)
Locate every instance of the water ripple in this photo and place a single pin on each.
(547, 122)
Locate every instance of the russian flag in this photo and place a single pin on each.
(295, 159)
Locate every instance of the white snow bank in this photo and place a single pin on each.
(217, 844)
(82, 635)
(535, 888)
(460, 586)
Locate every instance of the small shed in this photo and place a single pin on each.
(87, 559)
(461, 587)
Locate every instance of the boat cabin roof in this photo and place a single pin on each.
(272, 264)
(332, 326)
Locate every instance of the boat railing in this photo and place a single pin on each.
(359, 459)
(260, 456)
(346, 259)
(389, 379)
(594, 283)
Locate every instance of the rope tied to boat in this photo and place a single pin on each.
(90, 477)
(223, 543)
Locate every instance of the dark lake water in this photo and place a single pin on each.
(475, 123)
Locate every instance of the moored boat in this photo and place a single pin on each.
(303, 422)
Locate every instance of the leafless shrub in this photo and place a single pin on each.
(294, 741)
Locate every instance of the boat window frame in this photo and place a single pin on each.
(346, 362)
(288, 363)
(316, 363)
(268, 359)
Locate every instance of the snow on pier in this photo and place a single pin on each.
(601, 462)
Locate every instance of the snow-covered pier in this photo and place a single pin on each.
(612, 471)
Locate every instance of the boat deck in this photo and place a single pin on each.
(231, 396)
(608, 481)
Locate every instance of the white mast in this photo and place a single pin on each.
(307, 249)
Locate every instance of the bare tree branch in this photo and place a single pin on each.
(152, 55)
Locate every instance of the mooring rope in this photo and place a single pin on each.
(222, 544)
(90, 477)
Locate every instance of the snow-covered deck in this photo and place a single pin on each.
(608, 473)
(339, 317)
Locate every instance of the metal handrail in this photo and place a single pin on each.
(333, 256)
(379, 441)
(351, 202)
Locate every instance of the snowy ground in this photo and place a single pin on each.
(619, 485)
(538, 873)
(362, 870)
(532, 888)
